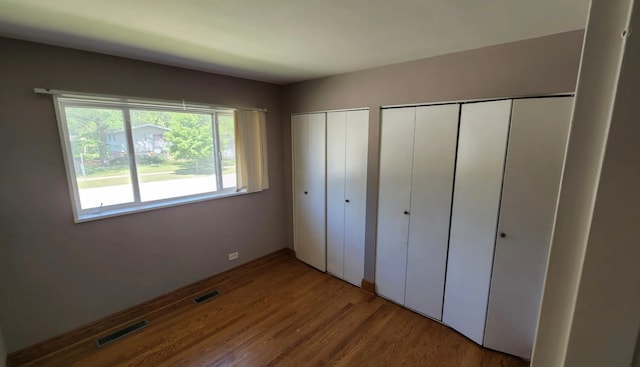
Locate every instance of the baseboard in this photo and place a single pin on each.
(367, 286)
(86, 333)
(290, 252)
(3, 351)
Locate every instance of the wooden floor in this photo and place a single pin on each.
(284, 313)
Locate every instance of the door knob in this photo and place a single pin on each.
(503, 235)
(305, 193)
(406, 212)
(347, 201)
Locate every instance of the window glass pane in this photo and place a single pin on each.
(226, 134)
(174, 153)
(100, 156)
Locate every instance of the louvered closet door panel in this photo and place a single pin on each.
(396, 156)
(357, 147)
(537, 142)
(309, 189)
(482, 144)
(336, 145)
(432, 186)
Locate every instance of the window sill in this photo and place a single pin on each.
(90, 215)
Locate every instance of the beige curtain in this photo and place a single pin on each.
(252, 170)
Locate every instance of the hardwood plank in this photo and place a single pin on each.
(174, 330)
(81, 337)
(282, 313)
(254, 327)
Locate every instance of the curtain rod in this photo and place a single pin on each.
(181, 103)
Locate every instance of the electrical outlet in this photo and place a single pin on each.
(233, 255)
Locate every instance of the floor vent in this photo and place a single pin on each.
(101, 342)
(206, 297)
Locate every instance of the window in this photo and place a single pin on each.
(126, 156)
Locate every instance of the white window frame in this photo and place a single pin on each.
(126, 105)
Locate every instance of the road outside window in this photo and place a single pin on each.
(123, 157)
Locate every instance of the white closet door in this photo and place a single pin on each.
(309, 188)
(482, 144)
(432, 186)
(356, 152)
(299, 136)
(336, 145)
(537, 142)
(396, 156)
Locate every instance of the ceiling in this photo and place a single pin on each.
(284, 41)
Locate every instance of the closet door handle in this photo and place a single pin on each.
(347, 201)
(503, 235)
(305, 193)
(406, 212)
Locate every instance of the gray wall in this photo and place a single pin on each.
(537, 66)
(604, 326)
(576, 217)
(56, 275)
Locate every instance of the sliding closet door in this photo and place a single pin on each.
(396, 156)
(356, 153)
(434, 144)
(537, 142)
(308, 133)
(482, 144)
(336, 157)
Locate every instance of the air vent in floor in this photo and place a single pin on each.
(206, 297)
(101, 342)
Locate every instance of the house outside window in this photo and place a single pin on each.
(125, 157)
